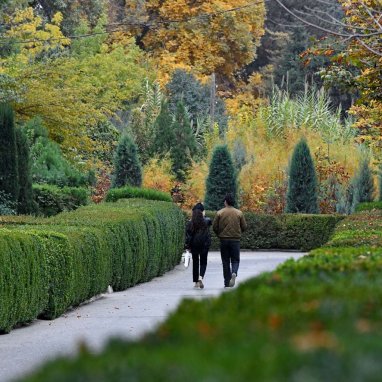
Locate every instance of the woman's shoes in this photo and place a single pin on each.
(199, 283)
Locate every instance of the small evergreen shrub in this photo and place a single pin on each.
(302, 184)
(364, 184)
(221, 179)
(135, 192)
(51, 200)
(127, 169)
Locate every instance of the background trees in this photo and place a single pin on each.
(229, 38)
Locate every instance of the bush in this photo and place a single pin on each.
(48, 163)
(289, 231)
(302, 185)
(134, 192)
(369, 206)
(23, 278)
(51, 199)
(221, 179)
(127, 169)
(364, 184)
(66, 259)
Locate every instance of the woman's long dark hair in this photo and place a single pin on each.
(197, 221)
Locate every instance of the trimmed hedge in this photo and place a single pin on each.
(369, 206)
(136, 192)
(23, 278)
(52, 199)
(315, 319)
(288, 231)
(79, 253)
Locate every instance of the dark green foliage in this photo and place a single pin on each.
(164, 135)
(364, 184)
(51, 264)
(8, 153)
(300, 232)
(25, 204)
(369, 206)
(183, 146)
(127, 169)
(134, 192)
(51, 200)
(221, 179)
(184, 87)
(48, 163)
(23, 278)
(315, 319)
(302, 185)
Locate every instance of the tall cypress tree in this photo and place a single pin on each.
(25, 200)
(364, 184)
(221, 179)
(8, 153)
(127, 168)
(184, 145)
(164, 135)
(302, 185)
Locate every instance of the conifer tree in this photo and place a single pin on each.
(221, 179)
(184, 145)
(25, 199)
(9, 185)
(164, 135)
(364, 184)
(302, 184)
(127, 168)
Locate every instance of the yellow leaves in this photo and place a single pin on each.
(57, 18)
(219, 42)
(37, 37)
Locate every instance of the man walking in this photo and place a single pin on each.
(229, 224)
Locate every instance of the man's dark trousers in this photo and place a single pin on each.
(230, 253)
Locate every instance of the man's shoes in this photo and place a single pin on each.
(232, 281)
(201, 285)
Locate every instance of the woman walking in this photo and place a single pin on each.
(198, 241)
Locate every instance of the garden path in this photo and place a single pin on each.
(127, 314)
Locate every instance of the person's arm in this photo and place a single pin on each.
(215, 224)
(243, 223)
(188, 236)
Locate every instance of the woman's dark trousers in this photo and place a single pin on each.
(199, 259)
(230, 254)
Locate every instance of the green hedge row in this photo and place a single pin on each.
(51, 199)
(315, 319)
(79, 253)
(136, 192)
(288, 231)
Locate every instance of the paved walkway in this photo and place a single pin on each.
(126, 314)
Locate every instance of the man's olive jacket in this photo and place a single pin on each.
(229, 223)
